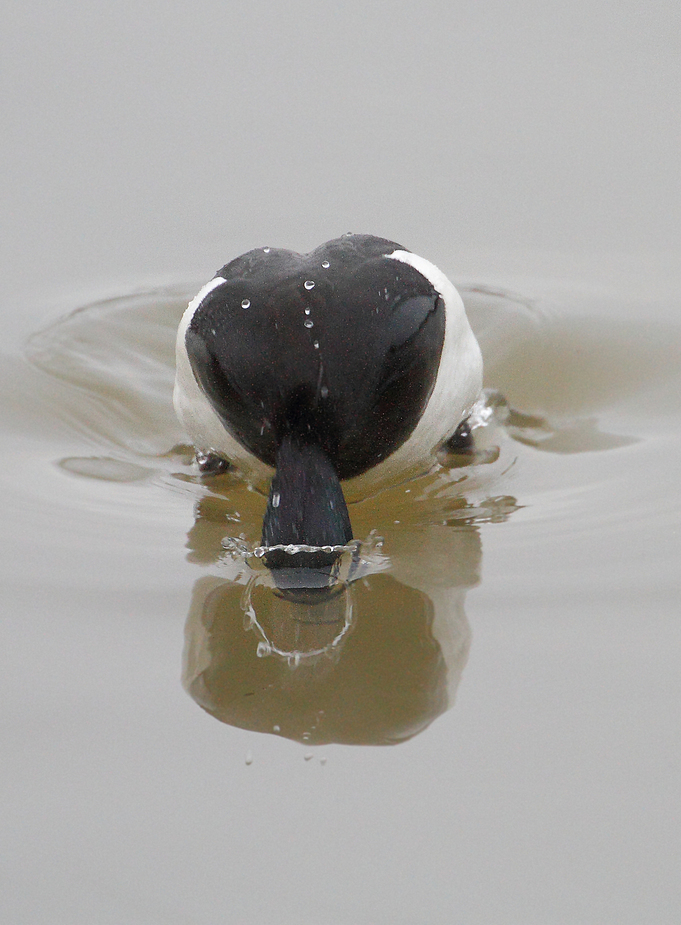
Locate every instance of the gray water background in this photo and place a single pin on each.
(529, 146)
(141, 141)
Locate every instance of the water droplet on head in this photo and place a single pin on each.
(308, 324)
(309, 284)
(245, 303)
(266, 250)
(326, 264)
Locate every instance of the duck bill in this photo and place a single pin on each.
(305, 507)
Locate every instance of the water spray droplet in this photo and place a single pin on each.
(266, 250)
(308, 756)
(326, 264)
(316, 345)
(245, 303)
(309, 324)
(276, 499)
(324, 391)
(307, 311)
(249, 757)
(309, 284)
(276, 728)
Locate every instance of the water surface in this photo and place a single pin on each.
(514, 632)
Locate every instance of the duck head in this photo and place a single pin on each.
(353, 362)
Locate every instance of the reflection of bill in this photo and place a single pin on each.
(388, 650)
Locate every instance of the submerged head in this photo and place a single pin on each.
(355, 361)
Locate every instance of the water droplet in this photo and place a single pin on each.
(276, 728)
(266, 250)
(249, 757)
(316, 345)
(306, 737)
(276, 498)
(245, 303)
(307, 311)
(263, 650)
(396, 521)
(308, 756)
(309, 284)
(326, 264)
(322, 760)
(324, 391)
(309, 324)
(407, 490)
(212, 331)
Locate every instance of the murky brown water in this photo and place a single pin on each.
(541, 591)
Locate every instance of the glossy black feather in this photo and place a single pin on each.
(347, 364)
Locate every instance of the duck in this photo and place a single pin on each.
(345, 369)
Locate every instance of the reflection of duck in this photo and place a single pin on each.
(353, 362)
(376, 662)
(394, 671)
